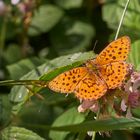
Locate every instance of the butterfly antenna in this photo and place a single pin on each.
(122, 18)
(95, 45)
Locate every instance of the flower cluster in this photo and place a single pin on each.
(132, 89)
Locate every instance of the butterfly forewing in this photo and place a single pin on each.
(116, 51)
(67, 81)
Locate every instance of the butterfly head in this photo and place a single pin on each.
(90, 64)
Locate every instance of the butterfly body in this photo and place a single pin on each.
(106, 71)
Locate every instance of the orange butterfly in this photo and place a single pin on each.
(106, 71)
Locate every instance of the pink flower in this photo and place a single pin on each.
(14, 2)
(134, 99)
(3, 8)
(123, 105)
(26, 6)
(88, 104)
(133, 93)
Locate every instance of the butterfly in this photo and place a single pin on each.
(90, 82)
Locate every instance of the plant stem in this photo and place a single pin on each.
(2, 36)
(93, 135)
(97, 116)
(122, 18)
(38, 83)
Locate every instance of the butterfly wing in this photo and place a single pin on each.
(116, 51)
(67, 81)
(91, 87)
(114, 74)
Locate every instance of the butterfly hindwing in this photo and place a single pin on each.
(114, 74)
(91, 87)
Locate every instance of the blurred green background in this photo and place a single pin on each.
(37, 36)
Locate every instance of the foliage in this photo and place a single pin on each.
(41, 39)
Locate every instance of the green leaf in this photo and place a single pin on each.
(17, 70)
(19, 133)
(70, 36)
(136, 112)
(96, 125)
(5, 109)
(9, 27)
(71, 58)
(131, 19)
(68, 4)
(12, 53)
(134, 56)
(69, 117)
(102, 125)
(45, 18)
